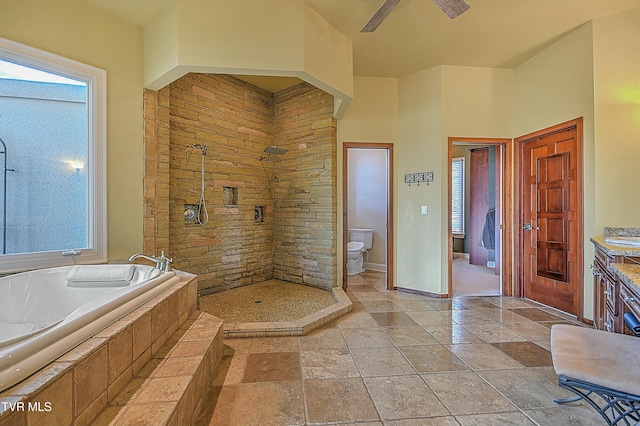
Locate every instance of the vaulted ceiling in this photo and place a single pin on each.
(418, 35)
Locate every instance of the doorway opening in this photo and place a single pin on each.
(480, 203)
(368, 208)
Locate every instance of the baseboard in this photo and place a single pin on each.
(422, 293)
(459, 255)
(378, 267)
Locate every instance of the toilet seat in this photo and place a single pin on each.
(355, 246)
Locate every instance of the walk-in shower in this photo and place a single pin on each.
(197, 213)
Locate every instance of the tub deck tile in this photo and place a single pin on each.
(129, 339)
(171, 386)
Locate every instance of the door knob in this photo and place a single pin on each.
(527, 227)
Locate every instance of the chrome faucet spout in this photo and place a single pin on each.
(135, 256)
(162, 262)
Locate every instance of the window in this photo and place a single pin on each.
(457, 196)
(53, 184)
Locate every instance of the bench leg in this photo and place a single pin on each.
(615, 406)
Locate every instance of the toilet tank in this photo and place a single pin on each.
(362, 234)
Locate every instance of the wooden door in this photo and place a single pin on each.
(478, 203)
(551, 223)
(498, 208)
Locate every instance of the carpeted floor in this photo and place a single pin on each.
(268, 301)
(474, 280)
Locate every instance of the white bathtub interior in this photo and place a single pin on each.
(42, 315)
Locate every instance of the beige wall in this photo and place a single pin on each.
(553, 87)
(420, 149)
(79, 31)
(476, 103)
(371, 117)
(434, 105)
(616, 42)
(248, 37)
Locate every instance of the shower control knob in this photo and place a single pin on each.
(189, 215)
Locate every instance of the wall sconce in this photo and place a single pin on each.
(76, 165)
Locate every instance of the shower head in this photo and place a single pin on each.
(275, 150)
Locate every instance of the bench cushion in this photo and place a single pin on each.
(611, 360)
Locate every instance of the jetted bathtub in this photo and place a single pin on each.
(43, 315)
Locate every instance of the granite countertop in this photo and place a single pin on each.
(615, 249)
(629, 274)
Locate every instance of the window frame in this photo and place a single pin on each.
(462, 161)
(96, 80)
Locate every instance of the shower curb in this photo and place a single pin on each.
(299, 327)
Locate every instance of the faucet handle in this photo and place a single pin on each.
(166, 261)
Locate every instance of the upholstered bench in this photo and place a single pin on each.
(591, 362)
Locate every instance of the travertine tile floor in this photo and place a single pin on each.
(400, 359)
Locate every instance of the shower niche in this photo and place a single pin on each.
(258, 214)
(229, 196)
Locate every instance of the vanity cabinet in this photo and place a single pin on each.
(606, 291)
(612, 298)
(629, 301)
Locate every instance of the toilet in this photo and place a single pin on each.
(361, 241)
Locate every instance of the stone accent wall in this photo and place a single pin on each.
(235, 120)
(156, 171)
(295, 237)
(305, 187)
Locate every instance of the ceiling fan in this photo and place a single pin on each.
(453, 9)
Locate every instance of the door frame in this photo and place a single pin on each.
(506, 234)
(518, 216)
(345, 205)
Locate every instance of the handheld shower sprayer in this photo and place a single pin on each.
(202, 217)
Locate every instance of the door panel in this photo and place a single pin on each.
(478, 204)
(552, 213)
(549, 203)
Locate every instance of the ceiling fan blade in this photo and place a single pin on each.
(453, 8)
(377, 18)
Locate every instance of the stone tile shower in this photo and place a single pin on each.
(270, 215)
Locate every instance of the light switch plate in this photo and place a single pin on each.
(424, 210)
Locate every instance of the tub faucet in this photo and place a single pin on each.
(163, 263)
